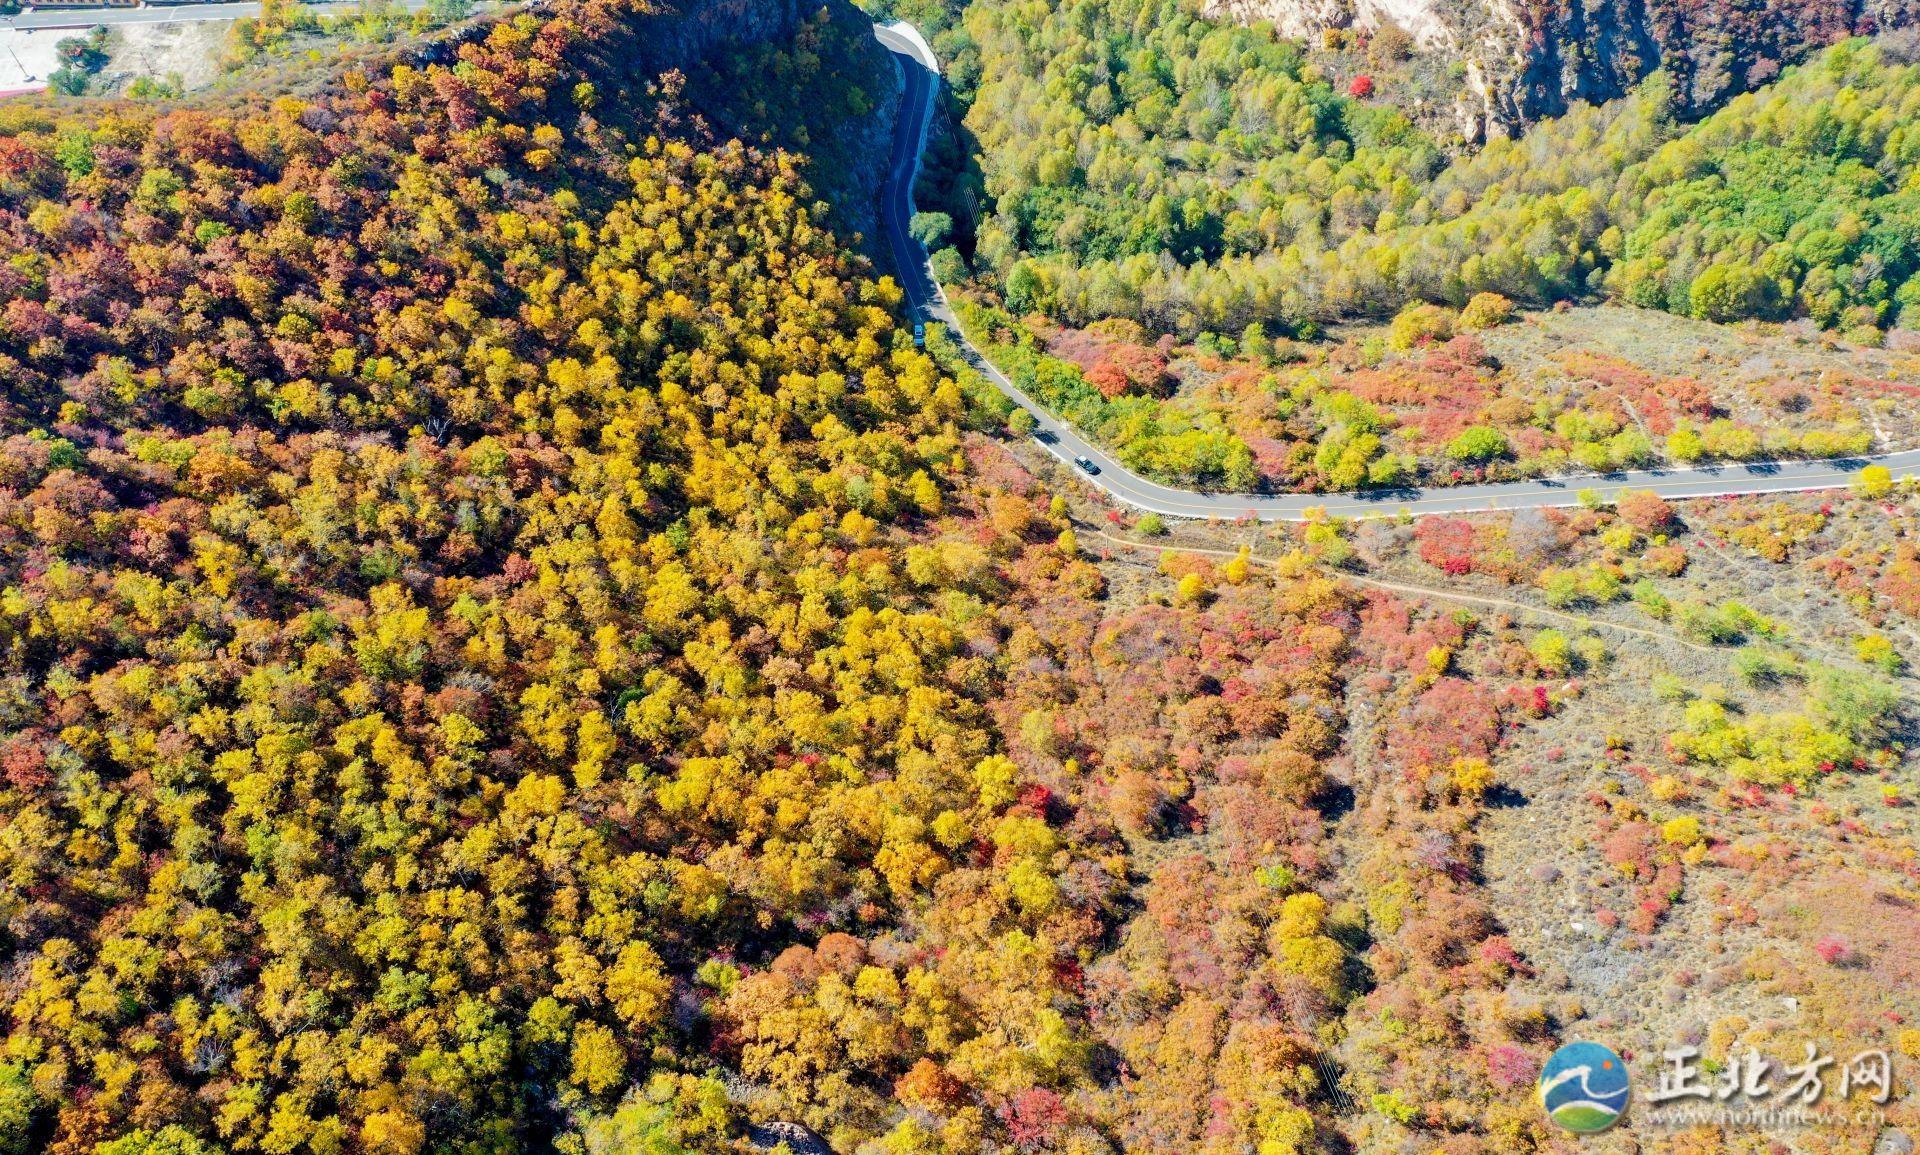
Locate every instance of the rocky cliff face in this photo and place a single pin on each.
(692, 30)
(1528, 59)
(841, 120)
(841, 113)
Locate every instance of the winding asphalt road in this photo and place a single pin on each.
(920, 74)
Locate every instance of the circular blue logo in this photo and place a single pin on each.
(1584, 1088)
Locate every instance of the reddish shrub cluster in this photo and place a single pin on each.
(1038, 801)
(1658, 401)
(1108, 379)
(1446, 543)
(1900, 582)
(1532, 702)
(25, 764)
(927, 1087)
(1509, 1067)
(1443, 391)
(1629, 849)
(1144, 370)
(1112, 363)
(1832, 949)
(1033, 1117)
(1647, 512)
(1453, 719)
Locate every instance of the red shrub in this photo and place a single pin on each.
(1037, 799)
(1453, 719)
(1033, 1117)
(1509, 1067)
(1630, 849)
(1108, 379)
(1647, 512)
(1832, 949)
(930, 1088)
(1362, 87)
(1690, 396)
(1900, 584)
(1446, 543)
(1145, 369)
(1499, 950)
(25, 765)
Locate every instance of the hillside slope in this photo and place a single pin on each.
(507, 646)
(1523, 62)
(400, 491)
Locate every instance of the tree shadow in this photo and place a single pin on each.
(748, 94)
(1336, 801)
(951, 180)
(1501, 796)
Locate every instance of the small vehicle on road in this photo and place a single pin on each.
(919, 334)
(1086, 465)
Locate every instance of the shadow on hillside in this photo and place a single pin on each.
(824, 96)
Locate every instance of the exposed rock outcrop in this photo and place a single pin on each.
(797, 1139)
(1528, 59)
(687, 37)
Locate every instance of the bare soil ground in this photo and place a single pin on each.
(27, 56)
(188, 50)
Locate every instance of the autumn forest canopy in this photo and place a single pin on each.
(455, 596)
(506, 644)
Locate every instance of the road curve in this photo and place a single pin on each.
(919, 72)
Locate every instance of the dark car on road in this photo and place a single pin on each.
(1086, 465)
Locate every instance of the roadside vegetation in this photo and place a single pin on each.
(1445, 397)
(81, 59)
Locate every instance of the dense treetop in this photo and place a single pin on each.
(505, 645)
(1138, 160)
(451, 599)
(508, 647)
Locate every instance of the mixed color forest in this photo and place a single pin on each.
(1442, 397)
(459, 626)
(1155, 221)
(507, 646)
(1139, 161)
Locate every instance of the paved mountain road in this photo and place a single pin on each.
(920, 74)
